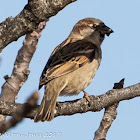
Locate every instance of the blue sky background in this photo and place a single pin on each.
(120, 59)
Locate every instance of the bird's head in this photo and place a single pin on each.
(91, 29)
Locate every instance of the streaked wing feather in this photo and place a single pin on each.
(67, 59)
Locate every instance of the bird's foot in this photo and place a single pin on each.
(87, 97)
(58, 105)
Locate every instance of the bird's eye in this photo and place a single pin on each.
(94, 25)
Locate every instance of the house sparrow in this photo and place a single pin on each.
(72, 65)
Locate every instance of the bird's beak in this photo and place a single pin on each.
(106, 30)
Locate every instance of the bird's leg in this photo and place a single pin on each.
(58, 105)
(86, 96)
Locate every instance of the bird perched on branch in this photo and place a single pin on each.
(72, 65)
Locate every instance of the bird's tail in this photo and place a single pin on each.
(46, 109)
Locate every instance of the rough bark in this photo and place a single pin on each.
(81, 105)
(21, 71)
(19, 115)
(109, 116)
(28, 19)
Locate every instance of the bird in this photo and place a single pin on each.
(72, 65)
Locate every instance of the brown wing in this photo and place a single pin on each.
(66, 58)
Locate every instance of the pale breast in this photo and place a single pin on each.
(79, 79)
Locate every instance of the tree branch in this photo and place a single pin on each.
(109, 116)
(21, 71)
(28, 19)
(81, 105)
(20, 113)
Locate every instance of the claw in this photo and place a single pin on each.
(86, 96)
(58, 105)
